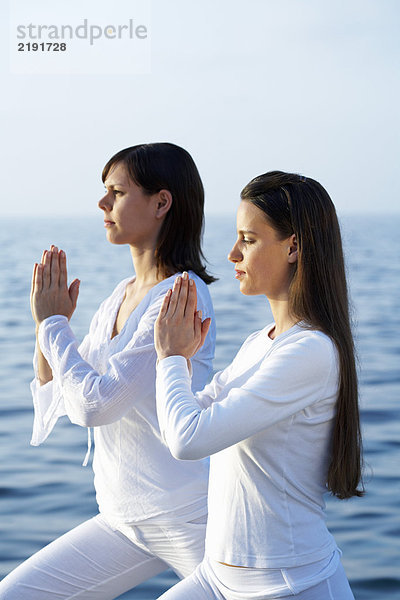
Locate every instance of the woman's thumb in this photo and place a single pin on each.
(74, 291)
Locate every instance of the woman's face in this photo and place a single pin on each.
(130, 215)
(263, 262)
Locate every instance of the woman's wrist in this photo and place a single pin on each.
(167, 355)
(188, 361)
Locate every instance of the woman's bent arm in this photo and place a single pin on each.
(90, 398)
(250, 404)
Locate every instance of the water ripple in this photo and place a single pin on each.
(45, 491)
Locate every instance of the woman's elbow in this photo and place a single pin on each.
(85, 415)
(182, 450)
(83, 419)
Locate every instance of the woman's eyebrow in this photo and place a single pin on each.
(113, 185)
(246, 231)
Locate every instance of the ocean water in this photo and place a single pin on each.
(44, 491)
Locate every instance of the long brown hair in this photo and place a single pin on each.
(318, 295)
(159, 166)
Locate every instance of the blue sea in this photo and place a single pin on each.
(45, 491)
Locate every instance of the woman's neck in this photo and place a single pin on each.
(282, 317)
(145, 267)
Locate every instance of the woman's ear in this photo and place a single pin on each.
(163, 203)
(292, 249)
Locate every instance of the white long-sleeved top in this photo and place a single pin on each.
(109, 384)
(266, 421)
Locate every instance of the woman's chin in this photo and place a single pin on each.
(114, 239)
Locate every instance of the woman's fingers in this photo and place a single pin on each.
(37, 278)
(186, 298)
(182, 296)
(33, 282)
(179, 329)
(37, 285)
(54, 264)
(183, 299)
(46, 270)
(173, 302)
(55, 267)
(165, 304)
(191, 302)
(63, 269)
(50, 293)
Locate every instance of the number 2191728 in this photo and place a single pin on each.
(42, 47)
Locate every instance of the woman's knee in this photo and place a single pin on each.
(194, 587)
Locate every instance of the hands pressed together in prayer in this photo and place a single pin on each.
(50, 294)
(179, 329)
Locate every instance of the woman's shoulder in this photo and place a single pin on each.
(311, 344)
(256, 342)
(200, 284)
(309, 335)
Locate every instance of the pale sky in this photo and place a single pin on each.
(309, 86)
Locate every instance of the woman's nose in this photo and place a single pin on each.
(104, 202)
(235, 255)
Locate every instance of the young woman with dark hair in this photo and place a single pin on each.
(281, 423)
(152, 507)
(154, 167)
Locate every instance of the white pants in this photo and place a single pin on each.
(213, 580)
(96, 562)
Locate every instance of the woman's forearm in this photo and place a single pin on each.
(45, 373)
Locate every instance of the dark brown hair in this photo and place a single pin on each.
(159, 166)
(318, 296)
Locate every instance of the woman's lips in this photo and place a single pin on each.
(238, 274)
(108, 223)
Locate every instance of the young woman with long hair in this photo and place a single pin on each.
(281, 423)
(152, 507)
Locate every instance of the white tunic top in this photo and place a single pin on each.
(266, 420)
(109, 384)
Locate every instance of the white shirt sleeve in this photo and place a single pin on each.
(48, 401)
(78, 390)
(288, 380)
(90, 398)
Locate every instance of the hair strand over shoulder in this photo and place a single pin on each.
(318, 297)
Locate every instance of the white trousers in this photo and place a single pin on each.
(96, 562)
(212, 580)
